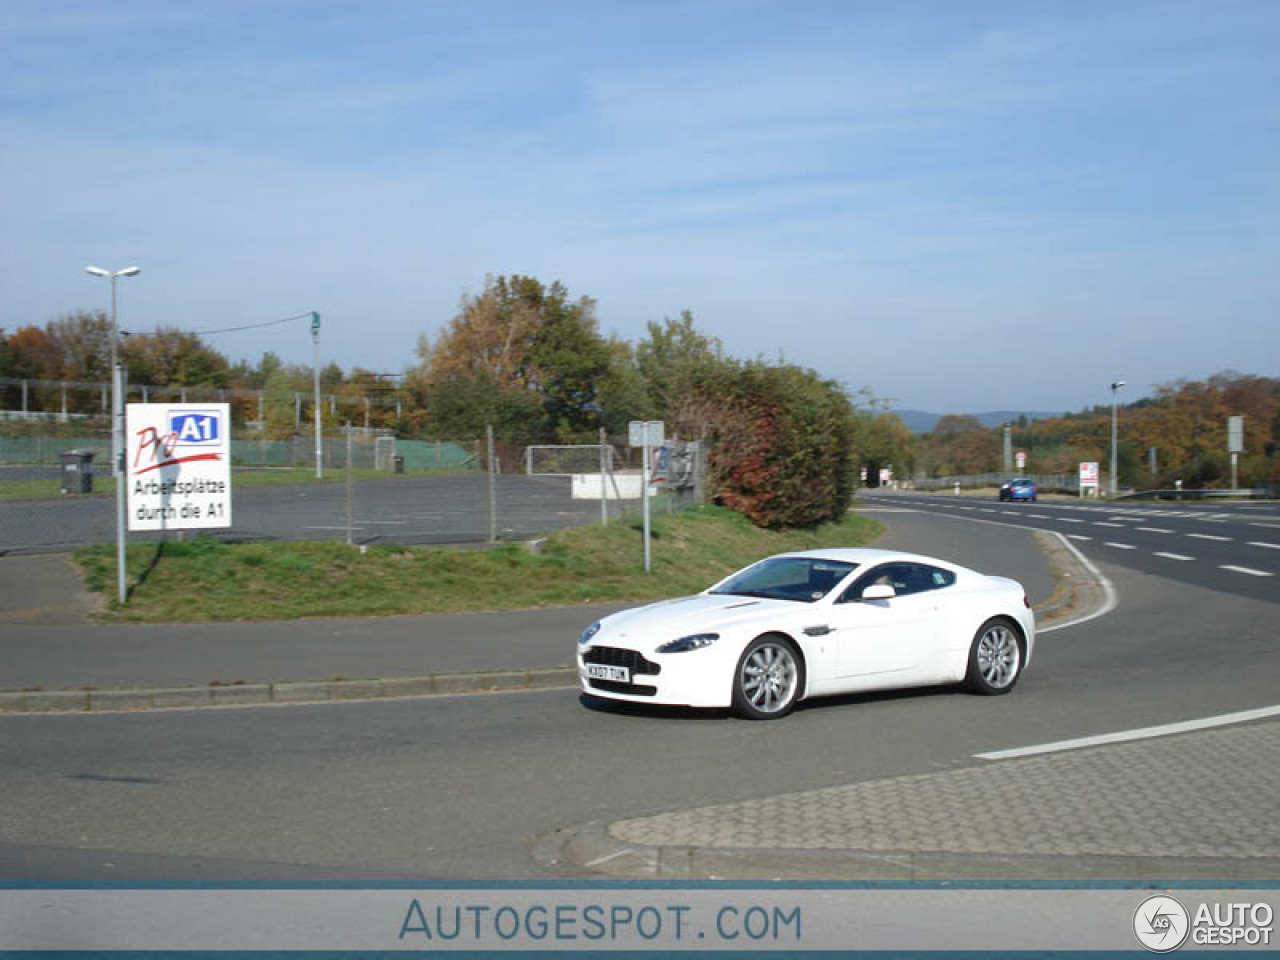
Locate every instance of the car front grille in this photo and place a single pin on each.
(617, 657)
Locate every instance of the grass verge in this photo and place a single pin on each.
(204, 579)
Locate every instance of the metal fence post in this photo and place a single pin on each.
(493, 486)
(349, 482)
(604, 499)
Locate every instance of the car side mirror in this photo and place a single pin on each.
(878, 591)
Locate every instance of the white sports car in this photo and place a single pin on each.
(802, 625)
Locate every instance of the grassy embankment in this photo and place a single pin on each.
(204, 579)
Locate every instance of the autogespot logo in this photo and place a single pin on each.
(1161, 924)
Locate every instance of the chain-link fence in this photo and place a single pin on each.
(373, 488)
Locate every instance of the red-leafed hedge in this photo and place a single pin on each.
(781, 444)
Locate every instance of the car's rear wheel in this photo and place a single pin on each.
(768, 679)
(996, 657)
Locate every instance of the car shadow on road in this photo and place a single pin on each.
(652, 711)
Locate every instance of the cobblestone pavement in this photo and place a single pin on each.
(1155, 798)
(1189, 805)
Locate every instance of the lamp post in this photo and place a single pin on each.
(1115, 388)
(117, 422)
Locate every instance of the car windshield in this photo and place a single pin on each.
(802, 579)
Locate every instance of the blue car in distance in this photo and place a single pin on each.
(1018, 488)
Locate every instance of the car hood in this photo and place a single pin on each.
(705, 613)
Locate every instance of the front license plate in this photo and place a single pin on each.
(598, 671)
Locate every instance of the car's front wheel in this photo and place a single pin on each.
(768, 679)
(995, 659)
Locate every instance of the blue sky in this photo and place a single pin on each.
(962, 206)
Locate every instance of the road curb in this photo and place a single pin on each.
(258, 694)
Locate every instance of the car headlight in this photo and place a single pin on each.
(694, 642)
(590, 632)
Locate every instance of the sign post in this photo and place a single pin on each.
(315, 343)
(178, 462)
(646, 434)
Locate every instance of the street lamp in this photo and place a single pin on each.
(117, 421)
(1115, 387)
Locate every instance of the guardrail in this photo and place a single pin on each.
(1259, 493)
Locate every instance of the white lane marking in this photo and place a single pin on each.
(1110, 599)
(607, 857)
(1120, 546)
(1102, 523)
(1209, 536)
(1076, 536)
(1173, 556)
(1154, 530)
(1040, 516)
(1247, 570)
(1071, 520)
(1269, 546)
(1266, 526)
(1144, 733)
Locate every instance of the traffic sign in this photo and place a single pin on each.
(646, 433)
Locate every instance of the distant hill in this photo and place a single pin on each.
(921, 421)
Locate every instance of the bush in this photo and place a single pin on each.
(781, 444)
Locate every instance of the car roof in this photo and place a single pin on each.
(868, 556)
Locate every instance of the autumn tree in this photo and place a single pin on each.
(961, 445)
(519, 336)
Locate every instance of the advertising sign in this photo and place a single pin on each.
(178, 463)
(1088, 478)
(1020, 458)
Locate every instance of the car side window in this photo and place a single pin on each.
(896, 575)
(905, 578)
(938, 578)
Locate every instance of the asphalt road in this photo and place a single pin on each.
(1231, 548)
(406, 509)
(462, 787)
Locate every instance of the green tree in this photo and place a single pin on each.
(462, 406)
(672, 360)
(279, 407)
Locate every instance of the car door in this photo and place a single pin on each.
(889, 635)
